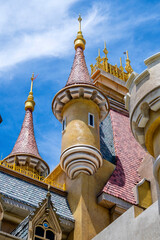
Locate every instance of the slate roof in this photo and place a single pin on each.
(106, 140)
(31, 195)
(79, 72)
(129, 155)
(22, 230)
(26, 142)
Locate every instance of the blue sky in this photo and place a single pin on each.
(37, 36)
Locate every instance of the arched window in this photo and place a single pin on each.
(44, 232)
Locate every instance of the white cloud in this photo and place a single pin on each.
(38, 28)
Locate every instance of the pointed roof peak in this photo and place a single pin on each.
(79, 72)
(26, 143)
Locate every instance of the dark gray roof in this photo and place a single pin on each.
(31, 195)
(22, 230)
(106, 140)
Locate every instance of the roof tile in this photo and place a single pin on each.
(79, 72)
(31, 195)
(129, 155)
(26, 142)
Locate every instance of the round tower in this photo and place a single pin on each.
(25, 155)
(80, 106)
(143, 103)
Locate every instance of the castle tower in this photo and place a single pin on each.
(25, 153)
(80, 106)
(143, 104)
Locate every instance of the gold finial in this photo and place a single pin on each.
(98, 52)
(79, 41)
(121, 67)
(79, 20)
(30, 103)
(105, 50)
(128, 66)
(127, 54)
(98, 59)
(120, 61)
(32, 78)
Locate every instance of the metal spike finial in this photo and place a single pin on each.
(79, 20)
(105, 49)
(79, 41)
(32, 78)
(29, 104)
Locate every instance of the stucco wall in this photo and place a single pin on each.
(127, 227)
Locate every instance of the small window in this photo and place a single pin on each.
(90, 119)
(39, 231)
(44, 234)
(49, 235)
(64, 124)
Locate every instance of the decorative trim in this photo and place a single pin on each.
(81, 158)
(32, 181)
(141, 114)
(33, 159)
(76, 91)
(152, 59)
(141, 76)
(17, 203)
(131, 79)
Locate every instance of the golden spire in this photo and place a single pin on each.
(128, 66)
(98, 59)
(79, 20)
(79, 41)
(105, 49)
(30, 103)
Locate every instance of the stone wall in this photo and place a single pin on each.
(128, 227)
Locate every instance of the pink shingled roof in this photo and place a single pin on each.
(26, 142)
(79, 72)
(129, 155)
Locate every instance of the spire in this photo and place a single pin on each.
(128, 66)
(79, 72)
(30, 103)
(26, 143)
(105, 49)
(79, 41)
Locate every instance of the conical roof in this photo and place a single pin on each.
(26, 143)
(79, 83)
(79, 72)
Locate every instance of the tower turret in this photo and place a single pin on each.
(25, 152)
(80, 106)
